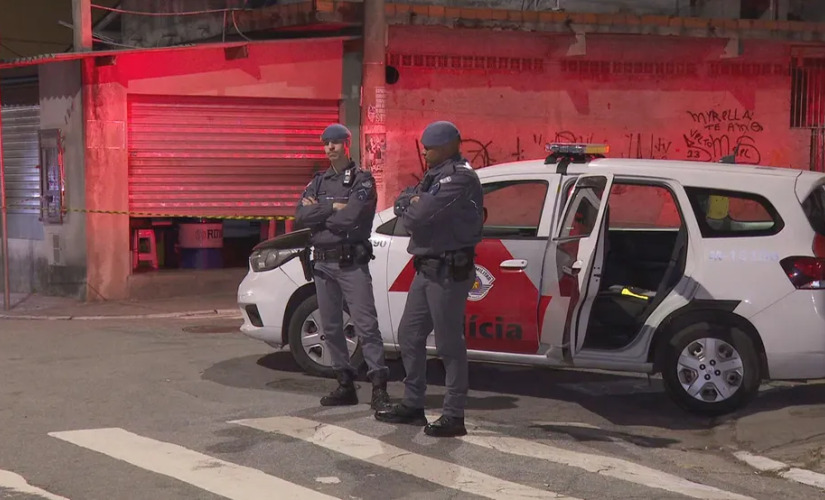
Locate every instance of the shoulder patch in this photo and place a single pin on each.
(435, 188)
(367, 183)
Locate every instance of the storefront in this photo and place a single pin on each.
(193, 156)
(208, 170)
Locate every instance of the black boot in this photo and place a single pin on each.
(446, 427)
(380, 398)
(400, 414)
(344, 394)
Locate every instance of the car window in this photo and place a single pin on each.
(729, 214)
(580, 220)
(814, 207)
(514, 208)
(393, 227)
(642, 206)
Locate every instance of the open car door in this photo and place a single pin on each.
(579, 256)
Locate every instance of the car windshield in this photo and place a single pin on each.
(814, 206)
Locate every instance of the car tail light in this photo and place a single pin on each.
(819, 245)
(805, 272)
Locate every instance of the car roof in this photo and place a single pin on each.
(674, 169)
(686, 172)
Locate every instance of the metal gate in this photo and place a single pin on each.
(21, 154)
(808, 100)
(210, 156)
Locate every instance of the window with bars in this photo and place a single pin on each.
(808, 92)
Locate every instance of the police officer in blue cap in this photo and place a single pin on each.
(444, 216)
(338, 205)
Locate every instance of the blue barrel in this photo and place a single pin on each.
(201, 244)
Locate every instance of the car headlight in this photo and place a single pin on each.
(266, 260)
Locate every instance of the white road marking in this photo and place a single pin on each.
(211, 474)
(783, 470)
(18, 484)
(607, 466)
(378, 453)
(328, 480)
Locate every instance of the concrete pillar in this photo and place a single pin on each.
(107, 184)
(373, 100)
(82, 21)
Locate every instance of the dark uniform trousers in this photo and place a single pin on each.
(354, 282)
(435, 303)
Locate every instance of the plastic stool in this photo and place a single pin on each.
(152, 255)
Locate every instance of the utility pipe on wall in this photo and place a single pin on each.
(4, 220)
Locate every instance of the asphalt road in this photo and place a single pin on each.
(146, 410)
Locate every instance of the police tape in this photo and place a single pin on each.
(187, 216)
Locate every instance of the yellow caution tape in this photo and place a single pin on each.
(150, 214)
(626, 291)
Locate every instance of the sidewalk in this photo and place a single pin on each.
(61, 308)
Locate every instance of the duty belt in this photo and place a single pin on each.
(332, 253)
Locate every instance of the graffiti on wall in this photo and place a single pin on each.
(701, 135)
(713, 134)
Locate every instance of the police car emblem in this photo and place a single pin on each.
(482, 284)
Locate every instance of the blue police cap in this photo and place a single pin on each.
(335, 132)
(439, 134)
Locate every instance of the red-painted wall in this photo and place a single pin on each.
(647, 97)
(291, 69)
(294, 69)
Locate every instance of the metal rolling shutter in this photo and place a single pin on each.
(223, 156)
(21, 152)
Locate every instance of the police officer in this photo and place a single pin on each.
(444, 216)
(338, 206)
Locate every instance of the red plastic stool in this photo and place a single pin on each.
(150, 256)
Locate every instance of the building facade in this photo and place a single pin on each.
(201, 146)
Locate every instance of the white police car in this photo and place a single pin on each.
(711, 274)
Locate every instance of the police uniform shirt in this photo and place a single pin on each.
(350, 224)
(449, 212)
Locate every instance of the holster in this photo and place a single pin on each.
(306, 262)
(363, 253)
(460, 263)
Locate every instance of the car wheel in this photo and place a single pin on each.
(307, 342)
(711, 370)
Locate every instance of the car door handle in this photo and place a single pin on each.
(574, 268)
(514, 264)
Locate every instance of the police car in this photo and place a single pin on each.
(712, 274)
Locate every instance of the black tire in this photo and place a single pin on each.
(739, 340)
(296, 347)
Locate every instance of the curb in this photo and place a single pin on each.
(208, 313)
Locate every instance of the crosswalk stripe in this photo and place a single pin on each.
(783, 470)
(18, 484)
(211, 474)
(376, 452)
(608, 466)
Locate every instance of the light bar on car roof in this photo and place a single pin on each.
(563, 148)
